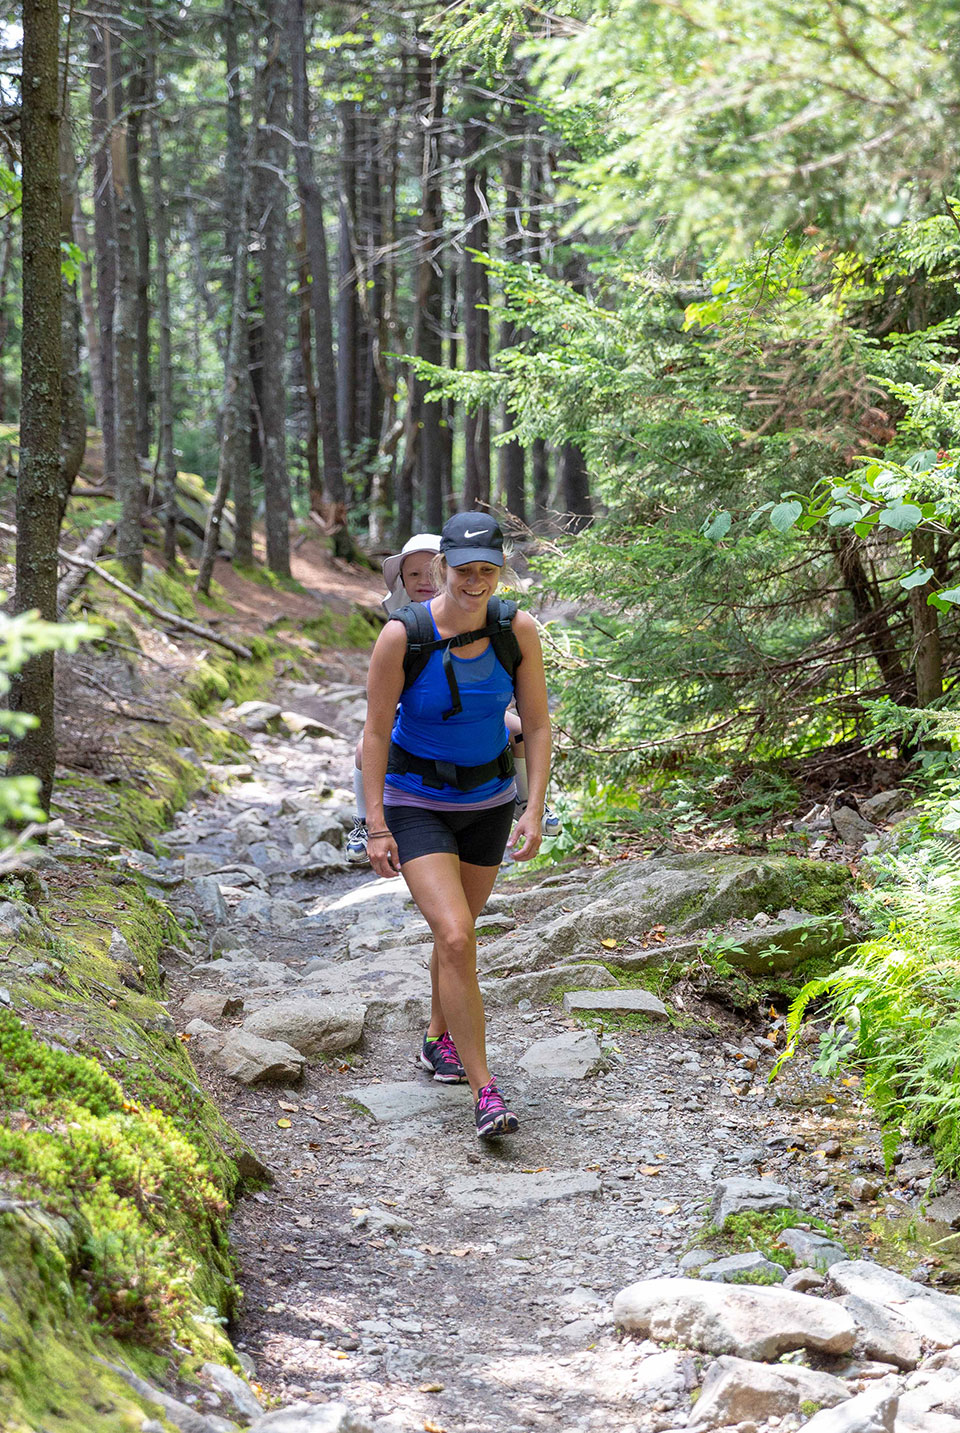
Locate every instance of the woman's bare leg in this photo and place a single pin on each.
(450, 896)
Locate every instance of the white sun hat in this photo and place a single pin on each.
(392, 565)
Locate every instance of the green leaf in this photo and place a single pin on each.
(950, 594)
(921, 462)
(917, 578)
(717, 527)
(785, 515)
(902, 517)
(864, 527)
(759, 513)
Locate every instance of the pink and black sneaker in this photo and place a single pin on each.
(440, 1057)
(491, 1114)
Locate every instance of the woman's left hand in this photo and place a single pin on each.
(525, 841)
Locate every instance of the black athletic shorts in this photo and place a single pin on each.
(478, 837)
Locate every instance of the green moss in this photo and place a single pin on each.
(753, 1230)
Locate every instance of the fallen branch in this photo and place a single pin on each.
(89, 550)
(172, 619)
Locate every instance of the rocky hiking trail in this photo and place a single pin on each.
(398, 1277)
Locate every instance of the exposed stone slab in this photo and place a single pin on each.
(753, 1322)
(539, 985)
(737, 1389)
(781, 944)
(934, 1316)
(408, 1099)
(519, 1191)
(621, 1002)
(311, 1024)
(570, 1056)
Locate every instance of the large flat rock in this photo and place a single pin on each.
(520, 1191)
(752, 1322)
(621, 1002)
(254, 1061)
(394, 985)
(539, 985)
(408, 1099)
(741, 1194)
(934, 1316)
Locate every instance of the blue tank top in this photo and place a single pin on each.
(474, 736)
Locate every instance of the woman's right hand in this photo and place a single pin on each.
(383, 854)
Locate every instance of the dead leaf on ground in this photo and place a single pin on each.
(284, 1124)
(649, 1169)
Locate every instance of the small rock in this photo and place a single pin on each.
(884, 804)
(237, 1389)
(832, 1148)
(195, 864)
(200, 1027)
(866, 1189)
(946, 1207)
(872, 1412)
(207, 900)
(311, 1025)
(251, 1060)
(314, 1418)
(211, 1005)
(883, 1334)
(736, 1388)
(256, 716)
(741, 1193)
(732, 1269)
(570, 1056)
(696, 1258)
(851, 827)
(801, 1281)
(812, 1248)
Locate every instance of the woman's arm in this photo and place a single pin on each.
(384, 686)
(531, 689)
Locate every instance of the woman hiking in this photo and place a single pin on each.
(439, 783)
(410, 578)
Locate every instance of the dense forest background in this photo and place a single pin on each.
(672, 287)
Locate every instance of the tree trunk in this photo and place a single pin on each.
(305, 334)
(136, 128)
(347, 306)
(866, 606)
(926, 631)
(311, 200)
(73, 418)
(104, 237)
(166, 460)
(476, 317)
(236, 242)
(88, 307)
(540, 476)
(234, 444)
(450, 405)
(38, 498)
(575, 486)
(510, 455)
(273, 238)
(129, 487)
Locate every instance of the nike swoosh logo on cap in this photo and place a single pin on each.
(481, 533)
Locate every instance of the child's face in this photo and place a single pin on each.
(417, 577)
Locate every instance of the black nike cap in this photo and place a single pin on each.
(472, 537)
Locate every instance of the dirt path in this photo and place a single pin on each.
(394, 1263)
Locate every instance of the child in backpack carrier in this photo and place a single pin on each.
(409, 578)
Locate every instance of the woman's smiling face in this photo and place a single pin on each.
(472, 585)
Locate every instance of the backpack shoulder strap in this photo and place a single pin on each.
(500, 614)
(421, 641)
